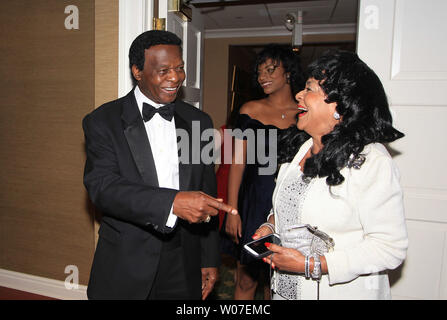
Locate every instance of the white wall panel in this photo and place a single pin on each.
(423, 150)
(415, 31)
(422, 270)
(403, 41)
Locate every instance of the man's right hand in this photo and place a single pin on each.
(196, 206)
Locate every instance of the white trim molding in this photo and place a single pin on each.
(41, 286)
(346, 28)
(135, 17)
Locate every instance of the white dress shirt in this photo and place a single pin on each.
(163, 140)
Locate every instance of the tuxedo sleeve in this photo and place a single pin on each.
(210, 256)
(113, 193)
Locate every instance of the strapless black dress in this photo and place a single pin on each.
(256, 190)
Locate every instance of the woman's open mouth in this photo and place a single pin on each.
(266, 84)
(301, 111)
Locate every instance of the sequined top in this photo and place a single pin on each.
(291, 196)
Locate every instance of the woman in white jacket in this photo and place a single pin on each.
(343, 181)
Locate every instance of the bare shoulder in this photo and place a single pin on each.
(253, 107)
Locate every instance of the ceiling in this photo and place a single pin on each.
(236, 14)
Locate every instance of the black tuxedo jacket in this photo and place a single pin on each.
(121, 181)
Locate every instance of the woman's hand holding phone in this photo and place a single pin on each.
(262, 232)
(259, 248)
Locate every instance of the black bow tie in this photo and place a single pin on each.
(167, 111)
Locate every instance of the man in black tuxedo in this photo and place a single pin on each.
(158, 236)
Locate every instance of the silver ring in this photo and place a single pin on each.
(208, 218)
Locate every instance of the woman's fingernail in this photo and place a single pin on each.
(253, 236)
(267, 244)
(264, 259)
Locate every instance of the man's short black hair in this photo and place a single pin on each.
(148, 39)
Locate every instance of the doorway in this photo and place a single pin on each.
(241, 74)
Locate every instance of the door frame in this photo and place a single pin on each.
(135, 17)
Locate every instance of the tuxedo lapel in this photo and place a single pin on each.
(183, 132)
(136, 137)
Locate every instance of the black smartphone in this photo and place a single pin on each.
(258, 249)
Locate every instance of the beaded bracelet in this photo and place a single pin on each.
(316, 272)
(306, 267)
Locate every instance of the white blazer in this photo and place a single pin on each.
(365, 217)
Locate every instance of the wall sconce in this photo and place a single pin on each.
(294, 23)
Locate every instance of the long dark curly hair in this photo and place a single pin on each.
(291, 139)
(363, 105)
(290, 62)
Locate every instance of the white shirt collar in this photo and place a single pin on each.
(140, 97)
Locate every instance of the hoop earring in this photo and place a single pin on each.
(336, 115)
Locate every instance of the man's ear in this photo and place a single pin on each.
(136, 72)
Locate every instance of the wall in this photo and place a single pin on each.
(215, 71)
(415, 80)
(50, 78)
(106, 62)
